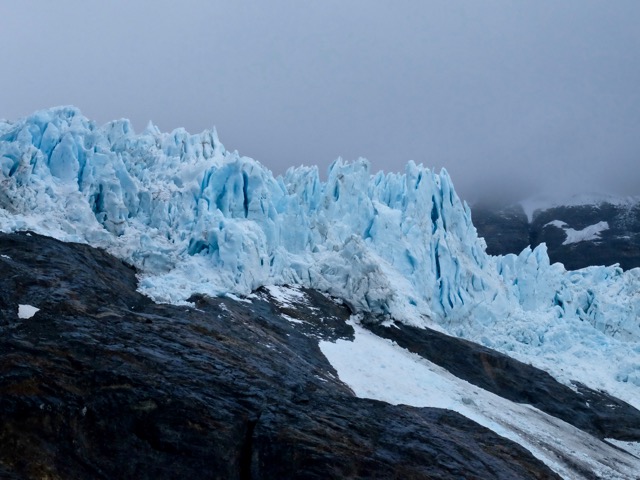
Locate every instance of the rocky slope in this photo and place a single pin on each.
(103, 383)
(598, 232)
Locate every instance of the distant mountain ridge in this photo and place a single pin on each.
(579, 232)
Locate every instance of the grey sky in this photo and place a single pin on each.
(509, 96)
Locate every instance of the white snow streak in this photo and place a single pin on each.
(377, 368)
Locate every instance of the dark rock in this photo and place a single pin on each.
(507, 230)
(103, 383)
(620, 243)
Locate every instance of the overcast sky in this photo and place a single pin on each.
(509, 96)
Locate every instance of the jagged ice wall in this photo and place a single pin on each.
(196, 218)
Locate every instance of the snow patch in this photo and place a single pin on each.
(591, 232)
(286, 296)
(238, 299)
(27, 311)
(377, 368)
(632, 447)
(290, 319)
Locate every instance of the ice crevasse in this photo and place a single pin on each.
(196, 218)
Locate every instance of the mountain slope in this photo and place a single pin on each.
(103, 383)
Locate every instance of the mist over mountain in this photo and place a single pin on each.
(512, 98)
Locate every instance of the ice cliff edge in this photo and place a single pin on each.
(188, 213)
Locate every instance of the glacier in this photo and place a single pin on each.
(196, 218)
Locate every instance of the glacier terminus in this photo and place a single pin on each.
(193, 217)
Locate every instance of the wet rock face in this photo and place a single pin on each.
(506, 230)
(103, 383)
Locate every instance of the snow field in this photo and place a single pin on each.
(379, 369)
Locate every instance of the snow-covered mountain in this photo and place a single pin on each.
(578, 231)
(195, 218)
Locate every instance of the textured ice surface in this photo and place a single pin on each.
(195, 218)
